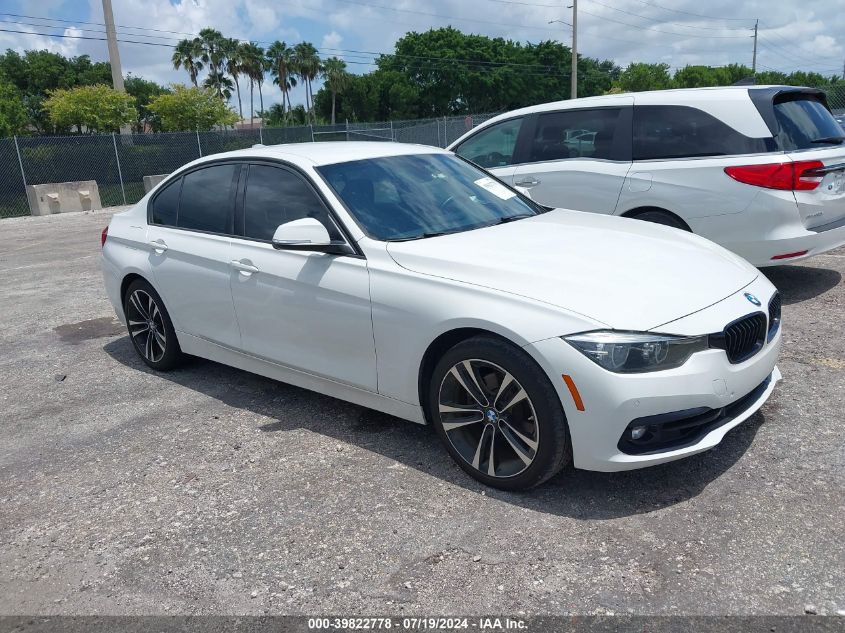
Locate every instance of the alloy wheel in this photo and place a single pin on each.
(488, 418)
(146, 325)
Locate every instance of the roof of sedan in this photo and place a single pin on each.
(329, 152)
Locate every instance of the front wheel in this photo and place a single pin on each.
(498, 415)
(150, 327)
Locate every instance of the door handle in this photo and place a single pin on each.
(158, 246)
(528, 182)
(245, 269)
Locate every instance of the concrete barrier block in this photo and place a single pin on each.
(62, 197)
(152, 181)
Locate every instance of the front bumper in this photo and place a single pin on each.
(612, 401)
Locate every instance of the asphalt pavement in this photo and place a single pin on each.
(209, 490)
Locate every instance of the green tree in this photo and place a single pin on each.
(281, 63)
(212, 43)
(188, 55)
(12, 112)
(191, 109)
(144, 91)
(640, 76)
(337, 79)
(234, 66)
(254, 67)
(307, 65)
(96, 108)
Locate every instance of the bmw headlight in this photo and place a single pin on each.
(635, 352)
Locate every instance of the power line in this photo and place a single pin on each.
(697, 15)
(647, 28)
(680, 24)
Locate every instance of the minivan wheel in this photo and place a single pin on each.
(663, 217)
(150, 327)
(497, 414)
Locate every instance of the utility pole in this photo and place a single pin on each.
(754, 59)
(574, 86)
(114, 54)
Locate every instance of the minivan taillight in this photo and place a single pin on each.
(103, 236)
(791, 176)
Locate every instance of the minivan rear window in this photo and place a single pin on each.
(804, 123)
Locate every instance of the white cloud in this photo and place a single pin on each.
(331, 42)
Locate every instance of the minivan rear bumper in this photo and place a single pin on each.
(803, 244)
(770, 227)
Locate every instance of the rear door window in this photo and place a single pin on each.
(686, 132)
(802, 120)
(575, 134)
(207, 201)
(493, 146)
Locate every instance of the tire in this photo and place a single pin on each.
(525, 452)
(663, 217)
(157, 345)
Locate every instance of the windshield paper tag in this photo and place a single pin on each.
(496, 188)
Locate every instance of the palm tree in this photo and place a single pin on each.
(212, 42)
(187, 55)
(337, 79)
(307, 63)
(233, 63)
(252, 65)
(280, 61)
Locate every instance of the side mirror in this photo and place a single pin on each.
(308, 234)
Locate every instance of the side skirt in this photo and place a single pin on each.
(212, 351)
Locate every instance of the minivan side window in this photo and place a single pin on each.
(166, 204)
(574, 134)
(207, 200)
(493, 146)
(687, 132)
(275, 196)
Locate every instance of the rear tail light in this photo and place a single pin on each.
(103, 236)
(791, 176)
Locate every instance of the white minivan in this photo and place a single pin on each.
(757, 169)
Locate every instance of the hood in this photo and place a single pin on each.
(627, 274)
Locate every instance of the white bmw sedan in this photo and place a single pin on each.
(405, 279)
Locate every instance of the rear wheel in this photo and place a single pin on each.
(662, 217)
(150, 327)
(498, 415)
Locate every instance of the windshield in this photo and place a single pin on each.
(804, 122)
(422, 195)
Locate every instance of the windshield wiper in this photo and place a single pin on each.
(511, 218)
(423, 236)
(833, 140)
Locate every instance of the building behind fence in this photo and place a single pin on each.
(118, 163)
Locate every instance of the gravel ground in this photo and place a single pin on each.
(213, 491)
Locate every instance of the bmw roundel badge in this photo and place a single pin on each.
(752, 298)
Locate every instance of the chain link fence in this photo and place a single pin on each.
(118, 163)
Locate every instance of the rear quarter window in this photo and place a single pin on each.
(687, 132)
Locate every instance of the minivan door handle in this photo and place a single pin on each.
(244, 268)
(158, 246)
(527, 182)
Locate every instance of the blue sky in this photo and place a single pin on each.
(793, 34)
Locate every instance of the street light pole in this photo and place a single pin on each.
(114, 54)
(574, 86)
(574, 71)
